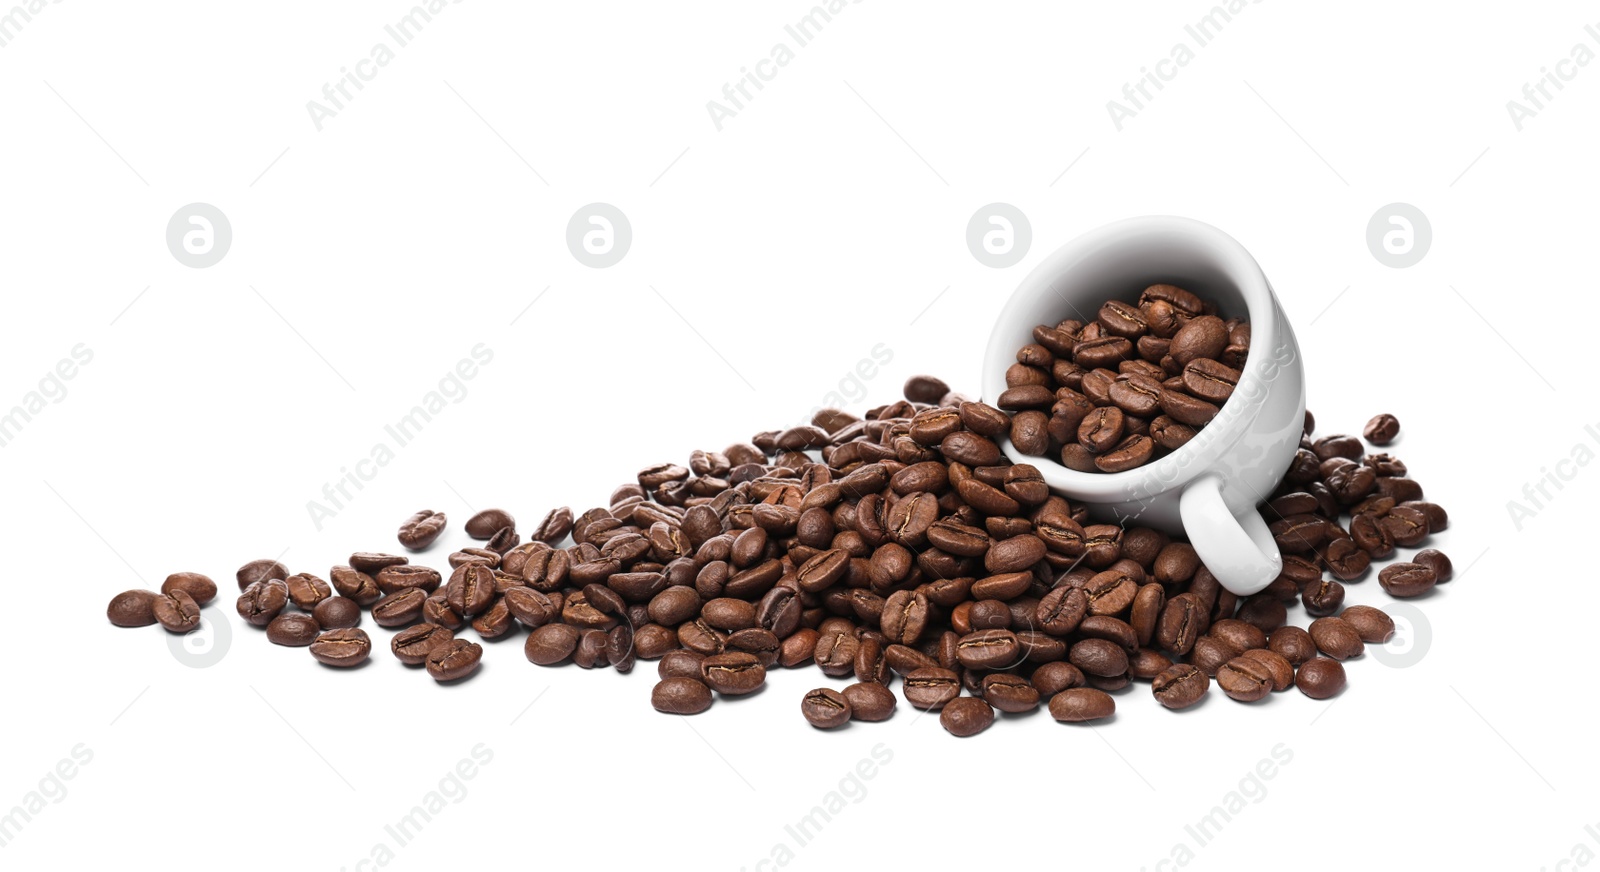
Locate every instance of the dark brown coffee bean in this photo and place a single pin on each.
(1186, 409)
(1099, 657)
(1407, 579)
(1052, 678)
(400, 608)
(825, 708)
(966, 716)
(356, 585)
(306, 590)
(1182, 621)
(1382, 429)
(200, 588)
(551, 644)
(822, 571)
(132, 608)
(1432, 558)
(262, 601)
(372, 562)
(1080, 704)
(495, 622)
(1323, 598)
(420, 530)
(412, 645)
(1320, 678)
(1336, 638)
(177, 611)
(1210, 654)
(1010, 693)
(1238, 635)
(487, 523)
(392, 579)
(989, 649)
(293, 630)
(733, 673)
(260, 570)
(931, 687)
(454, 660)
(651, 641)
(1111, 592)
(1279, 666)
(1180, 686)
(925, 389)
(1293, 644)
(1244, 679)
(1373, 625)
(342, 648)
(680, 695)
(680, 663)
(1209, 380)
(870, 701)
(337, 613)
(1134, 451)
(554, 527)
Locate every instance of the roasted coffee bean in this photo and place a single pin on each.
(729, 614)
(733, 673)
(700, 637)
(825, 708)
(1209, 380)
(925, 389)
(306, 590)
(1373, 625)
(260, 570)
(798, 647)
(905, 616)
(1279, 666)
(392, 579)
(1182, 621)
(681, 695)
(1407, 579)
(1382, 429)
(931, 687)
(400, 608)
(412, 645)
(680, 663)
(1431, 558)
(372, 562)
(1322, 598)
(262, 601)
(1244, 679)
(1180, 686)
(421, 529)
(293, 630)
(200, 588)
(989, 649)
(554, 527)
(342, 648)
(1320, 678)
(356, 585)
(1099, 657)
(1010, 693)
(1293, 644)
(1210, 654)
(869, 701)
(551, 644)
(454, 660)
(1238, 635)
(132, 608)
(966, 716)
(1336, 638)
(485, 524)
(176, 611)
(651, 641)
(1080, 704)
(437, 611)
(494, 622)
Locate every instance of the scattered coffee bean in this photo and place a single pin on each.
(1407, 579)
(260, 570)
(202, 589)
(176, 611)
(1382, 429)
(132, 608)
(966, 716)
(870, 701)
(342, 648)
(1180, 686)
(421, 529)
(454, 660)
(412, 645)
(1080, 704)
(485, 524)
(293, 630)
(680, 695)
(337, 613)
(825, 708)
(1320, 678)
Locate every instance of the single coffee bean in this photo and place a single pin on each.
(1382, 429)
(306, 590)
(454, 660)
(680, 695)
(356, 585)
(262, 601)
(680, 663)
(931, 687)
(485, 524)
(1432, 558)
(555, 526)
(373, 562)
(551, 644)
(1373, 625)
(966, 716)
(400, 608)
(176, 611)
(1407, 579)
(496, 621)
(260, 570)
(825, 708)
(293, 630)
(1180, 686)
(412, 645)
(132, 608)
(392, 579)
(1244, 679)
(989, 649)
(201, 588)
(1277, 665)
(1010, 693)
(1320, 678)
(1336, 638)
(421, 529)
(1099, 657)
(1293, 644)
(870, 701)
(342, 648)
(733, 673)
(471, 590)
(1052, 678)
(1322, 598)
(1080, 704)
(925, 389)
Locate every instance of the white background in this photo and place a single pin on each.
(826, 218)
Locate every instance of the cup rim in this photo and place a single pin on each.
(1193, 459)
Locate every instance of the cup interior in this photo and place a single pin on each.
(1120, 260)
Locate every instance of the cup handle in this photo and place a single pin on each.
(1238, 549)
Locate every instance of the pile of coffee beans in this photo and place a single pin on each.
(1131, 386)
(902, 543)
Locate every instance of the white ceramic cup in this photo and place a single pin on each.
(1209, 489)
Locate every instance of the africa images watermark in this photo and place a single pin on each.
(51, 790)
(1137, 94)
(1539, 493)
(450, 790)
(401, 34)
(51, 390)
(13, 20)
(1539, 92)
(1251, 790)
(451, 390)
(737, 93)
(850, 790)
